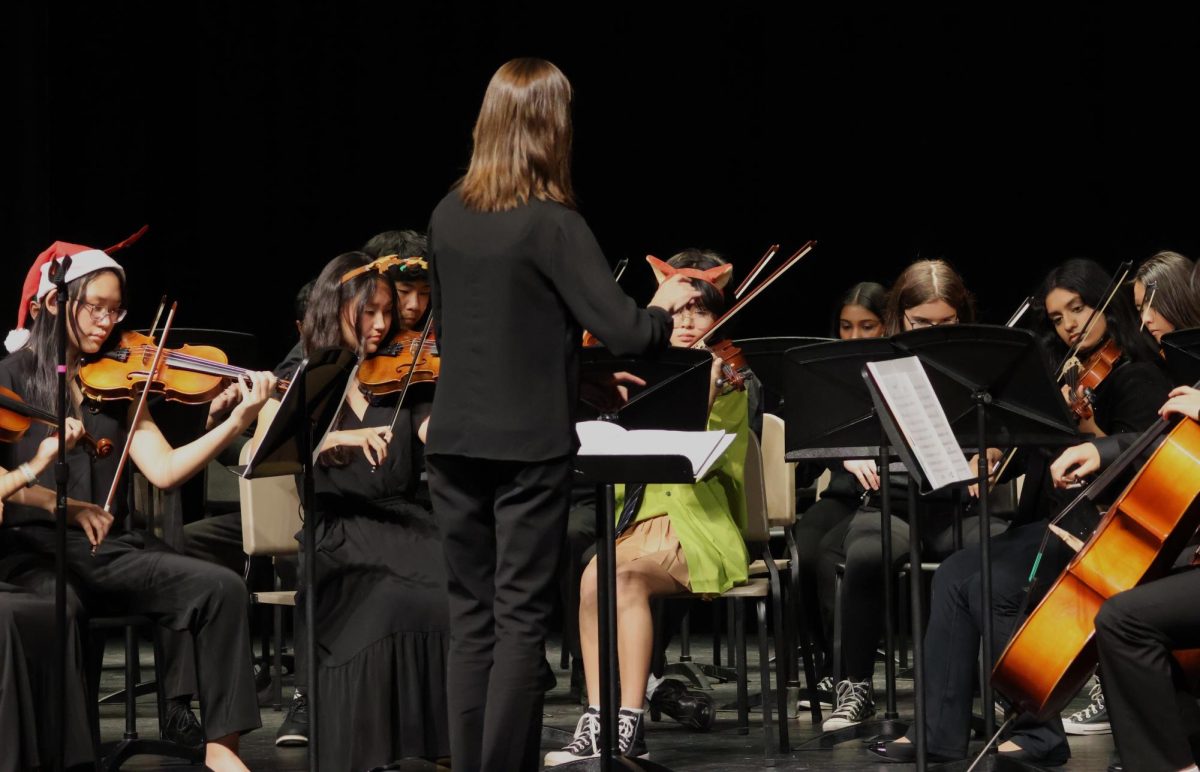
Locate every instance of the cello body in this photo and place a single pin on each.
(1053, 654)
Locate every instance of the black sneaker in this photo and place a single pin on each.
(181, 726)
(855, 704)
(825, 695)
(1093, 719)
(631, 734)
(586, 743)
(293, 732)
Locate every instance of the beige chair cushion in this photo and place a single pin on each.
(270, 512)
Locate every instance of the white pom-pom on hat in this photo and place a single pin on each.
(16, 340)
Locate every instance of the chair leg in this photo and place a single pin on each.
(132, 675)
(902, 632)
(716, 628)
(743, 690)
(277, 660)
(783, 648)
(764, 675)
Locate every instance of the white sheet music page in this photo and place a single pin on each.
(702, 449)
(909, 395)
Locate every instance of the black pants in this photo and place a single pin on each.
(856, 542)
(503, 525)
(198, 601)
(1152, 716)
(953, 635)
(810, 529)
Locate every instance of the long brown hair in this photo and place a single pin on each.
(924, 282)
(1171, 274)
(522, 139)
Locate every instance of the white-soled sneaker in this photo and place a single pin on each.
(585, 744)
(1093, 719)
(631, 734)
(855, 704)
(825, 696)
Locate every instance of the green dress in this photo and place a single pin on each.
(709, 516)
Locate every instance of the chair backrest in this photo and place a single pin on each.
(270, 512)
(779, 476)
(757, 529)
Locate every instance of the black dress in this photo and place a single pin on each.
(27, 662)
(382, 617)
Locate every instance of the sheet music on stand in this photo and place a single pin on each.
(702, 449)
(912, 404)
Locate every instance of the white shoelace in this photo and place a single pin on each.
(850, 698)
(587, 731)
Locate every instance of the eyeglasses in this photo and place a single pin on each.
(917, 324)
(693, 313)
(100, 313)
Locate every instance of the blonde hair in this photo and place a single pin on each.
(522, 139)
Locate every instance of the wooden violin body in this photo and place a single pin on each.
(1053, 653)
(384, 372)
(16, 416)
(1086, 377)
(190, 374)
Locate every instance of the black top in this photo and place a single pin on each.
(512, 293)
(89, 478)
(1126, 401)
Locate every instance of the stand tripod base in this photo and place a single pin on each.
(114, 754)
(881, 728)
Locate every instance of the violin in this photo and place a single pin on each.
(386, 370)
(1083, 378)
(192, 375)
(16, 416)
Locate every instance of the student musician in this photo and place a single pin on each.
(124, 571)
(381, 609)
(860, 314)
(928, 293)
(1126, 400)
(29, 657)
(674, 538)
(1163, 295)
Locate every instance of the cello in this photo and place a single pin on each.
(1053, 653)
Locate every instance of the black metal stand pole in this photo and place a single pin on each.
(606, 580)
(982, 400)
(304, 439)
(918, 625)
(58, 272)
(889, 590)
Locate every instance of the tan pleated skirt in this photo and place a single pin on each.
(654, 539)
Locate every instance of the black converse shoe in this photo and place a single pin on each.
(1093, 719)
(825, 695)
(855, 704)
(293, 732)
(586, 743)
(631, 734)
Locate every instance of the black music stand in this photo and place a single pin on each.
(310, 403)
(675, 397)
(829, 415)
(765, 357)
(1181, 349)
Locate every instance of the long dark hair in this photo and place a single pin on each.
(42, 388)
(924, 282)
(871, 295)
(330, 295)
(1090, 280)
(1171, 275)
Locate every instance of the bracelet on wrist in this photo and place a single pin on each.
(30, 476)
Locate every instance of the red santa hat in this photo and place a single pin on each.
(84, 260)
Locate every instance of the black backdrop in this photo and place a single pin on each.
(259, 139)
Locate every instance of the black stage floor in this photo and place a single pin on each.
(669, 743)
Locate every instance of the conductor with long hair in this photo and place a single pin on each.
(517, 275)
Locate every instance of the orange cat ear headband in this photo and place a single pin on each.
(385, 264)
(718, 276)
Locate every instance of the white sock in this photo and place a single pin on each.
(635, 711)
(652, 683)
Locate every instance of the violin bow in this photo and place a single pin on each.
(739, 305)
(619, 271)
(1109, 294)
(762, 263)
(1152, 288)
(139, 411)
(158, 315)
(1026, 304)
(413, 368)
